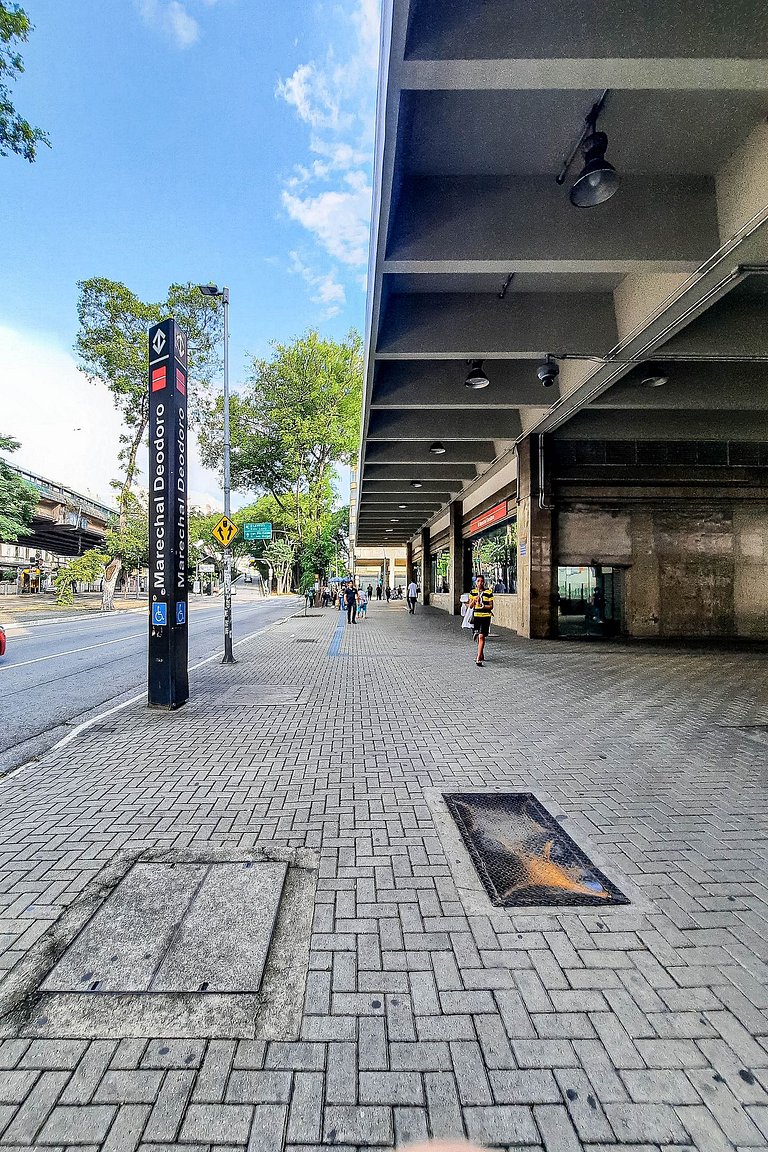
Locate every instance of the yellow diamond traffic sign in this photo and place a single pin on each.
(225, 531)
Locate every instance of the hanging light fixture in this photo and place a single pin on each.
(598, 179)
(417, 484)
(476, 378)
(437, 449)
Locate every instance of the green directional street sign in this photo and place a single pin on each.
(257, 531)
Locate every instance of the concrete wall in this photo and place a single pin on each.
(505, 610)
(691, 570)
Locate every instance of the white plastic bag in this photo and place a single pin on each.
(467, 622)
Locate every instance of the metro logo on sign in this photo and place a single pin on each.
(181, 382)
(158, 379)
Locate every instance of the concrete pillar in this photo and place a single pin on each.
(425, 566)
(408, 563)
(537, 558)
(456, 563)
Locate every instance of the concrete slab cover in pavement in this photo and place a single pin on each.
(425, 1013)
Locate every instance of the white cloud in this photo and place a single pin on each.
(68, 428)
(330, 194)
(171, 18)
(309, 91)
(327, 289)
(339, 219)
(367, 19)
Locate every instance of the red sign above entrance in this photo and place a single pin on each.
(492, 516)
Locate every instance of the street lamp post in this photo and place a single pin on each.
(199, 545)
(223, 294)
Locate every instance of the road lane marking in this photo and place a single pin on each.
(70, 652)
(82, 727)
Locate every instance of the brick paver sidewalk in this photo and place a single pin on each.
(644, 1026)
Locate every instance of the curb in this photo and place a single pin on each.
(86, 724)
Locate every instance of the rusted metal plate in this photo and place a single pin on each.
(523, 856)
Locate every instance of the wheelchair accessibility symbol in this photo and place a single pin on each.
(159, 614)
(181, 613)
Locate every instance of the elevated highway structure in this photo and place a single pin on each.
(636, 471)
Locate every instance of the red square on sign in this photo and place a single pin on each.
(158, 379)
(181, 382)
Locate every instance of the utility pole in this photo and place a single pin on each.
(223, 293)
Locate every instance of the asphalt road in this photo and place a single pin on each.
(55, 675)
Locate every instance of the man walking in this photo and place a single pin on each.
(413, 592)
(481, 603)
(350, 601)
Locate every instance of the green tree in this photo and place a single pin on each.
(296, 418)
(18, 499)
(112, 349)
(16, 134)
(127, 541)
(281, 557)
(83, 569)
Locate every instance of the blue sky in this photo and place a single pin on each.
(225, 140)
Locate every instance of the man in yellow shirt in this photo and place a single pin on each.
(481, 603)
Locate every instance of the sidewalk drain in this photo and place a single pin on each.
(522, 855)
(179, 946)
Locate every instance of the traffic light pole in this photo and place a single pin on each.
(228, 653)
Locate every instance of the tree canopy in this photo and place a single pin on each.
(112, 349)
(16, 134)
(294, 421)
(18, 499)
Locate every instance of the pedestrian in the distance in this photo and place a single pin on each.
(369, 590)
(481, 603)
(388, 593)
(412, 594)
(378, 591)
(362, 605)
(350, 600)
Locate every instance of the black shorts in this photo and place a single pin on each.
(483, 625)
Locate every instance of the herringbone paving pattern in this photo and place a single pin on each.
(644, 1027)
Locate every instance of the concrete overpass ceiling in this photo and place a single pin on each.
(479, 255)
(527, 133)
(506, 29)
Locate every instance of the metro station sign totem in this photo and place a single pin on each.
(168, 679)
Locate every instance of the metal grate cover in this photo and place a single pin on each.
(523, 856)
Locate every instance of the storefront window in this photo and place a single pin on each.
(440, 566)
(494, 554)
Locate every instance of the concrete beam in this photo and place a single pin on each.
(692, 386)
(424, 384)
(464, 326)
(660, 223)
(609, 29)
(735, 326)
(453, 472)
(665, 425)
(447, 426)
(482, 451)
(640, 73)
